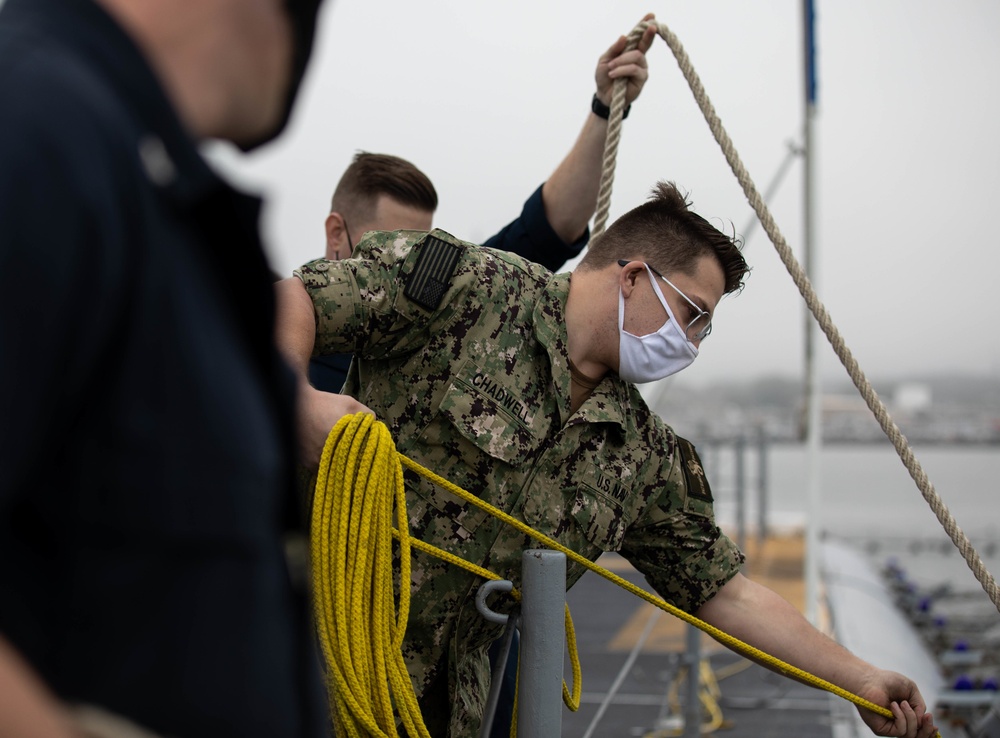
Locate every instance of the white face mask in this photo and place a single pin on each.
(655, 355)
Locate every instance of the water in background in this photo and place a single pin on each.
(868, 497)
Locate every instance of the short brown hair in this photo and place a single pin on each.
(371, 175)
(664, 231)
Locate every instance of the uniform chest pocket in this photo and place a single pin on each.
(477, 445)
(592, 510)
(601, 521)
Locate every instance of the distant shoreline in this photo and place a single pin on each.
(753, 438)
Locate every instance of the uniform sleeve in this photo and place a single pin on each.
(532, 237)
(676, 544)
(400, 289)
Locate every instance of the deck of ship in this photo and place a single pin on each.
(754, 702)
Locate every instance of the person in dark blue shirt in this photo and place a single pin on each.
(147, 477)
(379, 192)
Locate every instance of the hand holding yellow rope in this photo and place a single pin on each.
(360, 478)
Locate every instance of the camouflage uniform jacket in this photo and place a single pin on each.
(462, 351)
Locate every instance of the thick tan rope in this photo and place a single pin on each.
(798, 275)
(611, 140)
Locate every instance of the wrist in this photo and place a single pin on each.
(603, 111)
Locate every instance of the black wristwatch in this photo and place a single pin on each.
(603, 111)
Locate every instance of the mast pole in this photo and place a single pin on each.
(813, 389)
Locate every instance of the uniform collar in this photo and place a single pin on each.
(168, 153)
(608, 403)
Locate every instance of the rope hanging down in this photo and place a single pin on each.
(798, 275)
(360, 479)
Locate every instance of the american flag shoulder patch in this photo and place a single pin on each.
(431, 275)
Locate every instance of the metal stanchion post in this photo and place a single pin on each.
(741, 493)
(761, 486)
(692, 702)
(543, 634)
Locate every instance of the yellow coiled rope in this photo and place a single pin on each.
(361, 631)
(360, 479)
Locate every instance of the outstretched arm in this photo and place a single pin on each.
(758, 616)
(570, 194)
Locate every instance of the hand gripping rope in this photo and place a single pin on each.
(361, 626)
(865, 388)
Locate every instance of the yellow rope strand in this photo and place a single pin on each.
(351, 551)
(570, 697)
(719, 635)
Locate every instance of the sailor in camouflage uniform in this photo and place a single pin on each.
(464, 352)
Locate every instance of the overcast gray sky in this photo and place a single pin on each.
(486, 98)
